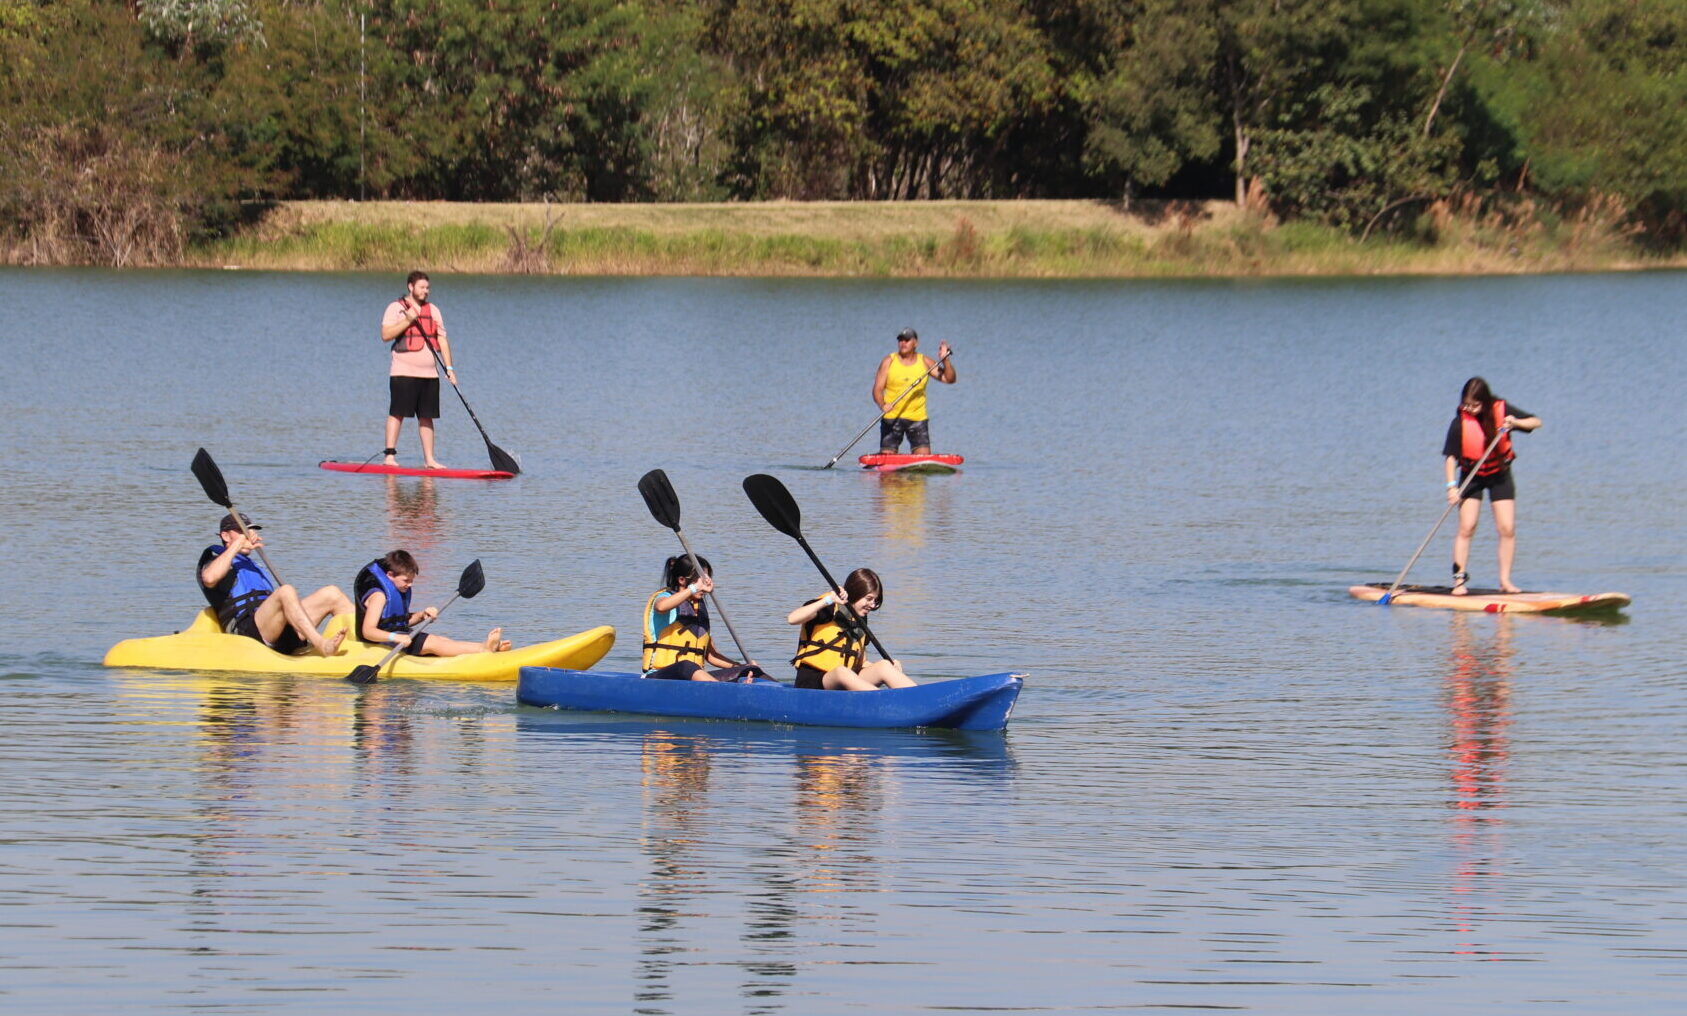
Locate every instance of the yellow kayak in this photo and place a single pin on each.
(204, 646)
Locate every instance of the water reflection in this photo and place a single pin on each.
(1477, 696)
(413, 517)
(899, 505)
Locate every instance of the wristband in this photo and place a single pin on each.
(1451, 485)
(692, 589)
(451, 368)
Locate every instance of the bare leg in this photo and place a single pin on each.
(1505, 524)
(394, 425)
(283, 609)
(425, 425)
(886, 673)
(922, 450)
(1470, 512)
(439, 645)
(844, 679)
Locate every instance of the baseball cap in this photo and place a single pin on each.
(228, 525)
(907, 333)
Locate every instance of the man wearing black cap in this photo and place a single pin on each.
(248, 602)
(899, 390)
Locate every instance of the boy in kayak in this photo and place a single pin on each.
(677, 646)
(248, 602)
(832, 649)
(382, 589)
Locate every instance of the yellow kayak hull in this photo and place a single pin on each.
(204, 646)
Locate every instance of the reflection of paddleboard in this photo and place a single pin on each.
(1492, 601)
(911, 463)
(443, 474)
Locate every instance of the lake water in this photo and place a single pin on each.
(1227, 785)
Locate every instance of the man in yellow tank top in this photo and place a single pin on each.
(905, 411)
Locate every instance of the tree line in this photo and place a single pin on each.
(150, 122)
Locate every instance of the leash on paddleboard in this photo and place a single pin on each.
(216, 488)
(779, 508)
(469, 585)
(1469, 477)
(910, 390)
(663, 503)
(502, 460)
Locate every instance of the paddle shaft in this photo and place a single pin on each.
(922, 383)
(1469, 478)
(483, 435)
(418, 630)
(832, 583)
(697, 570)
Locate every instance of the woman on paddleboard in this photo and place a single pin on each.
(382, 589)
(677, 646)
(1479, 440)
(832, 649)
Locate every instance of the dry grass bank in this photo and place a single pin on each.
(1025, 239)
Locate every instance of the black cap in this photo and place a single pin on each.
(228, 525)
(907, 333)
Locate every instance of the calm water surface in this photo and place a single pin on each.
(1227, 786)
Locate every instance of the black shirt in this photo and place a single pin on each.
(1453, 447)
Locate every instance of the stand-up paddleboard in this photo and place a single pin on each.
(928, 463)
(443, 474)
(1492, 601)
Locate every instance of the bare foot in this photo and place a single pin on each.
(1460, 583)
(1507, 587)
(390, 460)
(435, 465)
(331, 645)
(496, 642)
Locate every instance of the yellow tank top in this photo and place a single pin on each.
(897, 380)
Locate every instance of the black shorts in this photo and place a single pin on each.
(288, 642)
(1500, 487)
(417, 641)
(414, 396)
(891, 433)
(682, 670)
(810, 677)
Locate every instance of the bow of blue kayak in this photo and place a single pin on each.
(968, 703)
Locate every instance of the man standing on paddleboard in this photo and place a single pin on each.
(417, 333)
(905, 411)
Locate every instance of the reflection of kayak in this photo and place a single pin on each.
(377, 469)
(968, 703)
(911, 463)
(204, 646)
(1492, 601)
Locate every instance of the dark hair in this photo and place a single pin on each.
(399, 562)
(862, 581)
(677, 572)
(415, 277)
(1476, 390)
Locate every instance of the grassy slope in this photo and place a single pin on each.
(923, 238)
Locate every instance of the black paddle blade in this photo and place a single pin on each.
(211, 478)
(775, 503)
(363, 675)
(472, 582)
(502, 460)
(660, 498)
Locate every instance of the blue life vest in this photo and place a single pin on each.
(395, 613)
(252, 586)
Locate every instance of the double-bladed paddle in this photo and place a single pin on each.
(923, 381)
(216, 488)
(469, 585)
(502, 460)
(780, 510)
(1495, 443)
(663, 503)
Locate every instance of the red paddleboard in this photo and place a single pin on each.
(1492, 601)
(911, 463)
(443, 474)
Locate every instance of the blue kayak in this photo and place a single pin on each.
(968, 703)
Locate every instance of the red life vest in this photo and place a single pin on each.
(1473, 442)
(424, 329)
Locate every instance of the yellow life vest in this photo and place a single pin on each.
(824, 643)
(898, 378)
(684, 638)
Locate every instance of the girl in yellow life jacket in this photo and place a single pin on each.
(832, 650)
(1478, 424)
(677, 646)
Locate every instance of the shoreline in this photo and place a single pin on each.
(919, 239)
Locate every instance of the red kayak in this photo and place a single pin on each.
(911, 463)
(443, 474)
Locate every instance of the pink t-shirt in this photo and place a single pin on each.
(415, 363)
